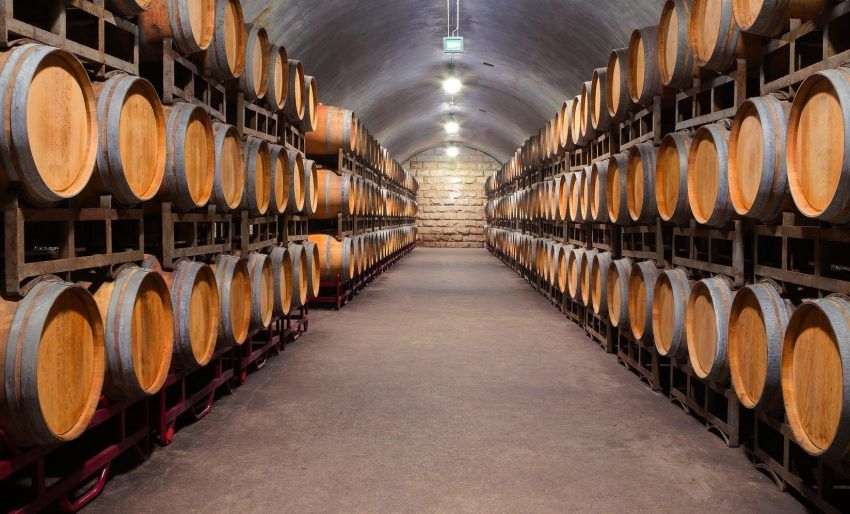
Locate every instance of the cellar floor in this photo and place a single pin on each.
(448, 385)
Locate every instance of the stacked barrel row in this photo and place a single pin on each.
(784, 152)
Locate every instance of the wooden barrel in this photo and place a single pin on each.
(190, 156)
(254, 81)
(576, 134)
(334, 130)
(334, 194)
(311, 106)
(336, 257)
(716, 38)
(278, 87)
(261, 273)
(757, 325)
(225, 58)
(574, 267)
(815, 366)
(565, 141)
(138, 332)
(300, 270)
(669, 299)
(314, 277)
(599, 265)
(131, 143)
(129, 8)
(641, 288)
(617, 96)
(258, 179)
(189, 23)
(562, 193)
(561, 275)
(615, 189)
(644, 79)
(599, 117)
(295, 102)
(282, 268)
(48, 161)
(280, 179)
(585, 193)
(576, 191)
(758, 180)
(818, 146)
(671, 178)
(708, 186)
(234, 292)
(196, 310)
(770, 17)
(229, 178)
(617, 292)
(676, 64)
(707, 324)
(311, 187)
(52, 341)
(640, 183)
(596, 188)
(297, 178)
(586, 273)
(586, 114)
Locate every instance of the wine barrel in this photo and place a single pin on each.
(562, 194)
(138, 332)
(669, 298)
(561, 278)
(278, 87)
(254, 81)
(314, 278)
(190, 157)
(757, 325)
(131, 143)
(311, 106)
(297, 178)
(599, 265)
(189, 23)
(708, 186)
(258, 180)
(818, 146)
(576, 134)
(297, 92)
(334, 130)
(758, 180)
(300, 269)
(336, 257)
(261, 274)
(587, 130)
(644, 79)
(585, 193)
(815, 366)
(196, 310)
(574, 266)
(676, 64)
(671, 178)
(586, 273)
(52, 342)
(770, 17)
(334, 194)
(280, 179)
(617, 292)
(225, 57)
(282, 268)
(716, 38)
(565, 138)
(640, 183)
(229, 178)
(51, 161)
(234, 292)
(129, 8)
(599, 117)
(617, 96)
(311, 187)
(615, 189)
(707, 324)
(596, 187)
(641, 288)
(576, 191)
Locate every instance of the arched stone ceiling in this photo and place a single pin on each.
(384, 60)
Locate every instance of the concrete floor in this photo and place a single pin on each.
(449, 385)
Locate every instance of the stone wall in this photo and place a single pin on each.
(451, 196)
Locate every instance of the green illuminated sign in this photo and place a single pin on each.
(453, 45)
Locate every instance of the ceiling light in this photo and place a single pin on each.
(451, 85)
(452, 127)
(452, 151)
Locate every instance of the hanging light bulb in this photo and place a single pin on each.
(452, 127)
(452, 151)
(451, 85)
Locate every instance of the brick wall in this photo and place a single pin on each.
(451, 196)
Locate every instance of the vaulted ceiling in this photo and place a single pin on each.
(383, 59)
